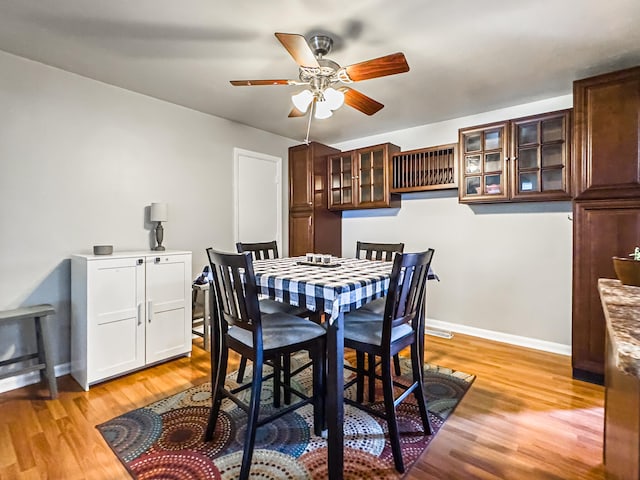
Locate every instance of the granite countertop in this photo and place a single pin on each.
(621, 305)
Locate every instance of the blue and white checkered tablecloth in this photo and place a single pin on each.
(331, 290)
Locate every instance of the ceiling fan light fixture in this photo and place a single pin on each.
(334, 98)
(322, 110)
(302, 100)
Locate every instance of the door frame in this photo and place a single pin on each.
(237, 153)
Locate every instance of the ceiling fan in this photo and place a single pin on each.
(326, 81)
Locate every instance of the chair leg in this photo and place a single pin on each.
(396, 364)
(241, 369)
(390, 411)
(286, 373)
(218, 375)
(372, 377)
(318, 388)
(417, 372)
(360, 377)
(254, 410)
(277, 381)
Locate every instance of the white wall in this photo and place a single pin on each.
(79, 162)
(505, 269)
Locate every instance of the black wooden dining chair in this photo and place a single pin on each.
(265, 251)
(264, 339)
(382, 252)
(384, 335)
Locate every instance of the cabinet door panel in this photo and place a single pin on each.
(373, 189)
(607, 135)
(166, 336)
(115, 330)
(342, 180)
(300, 233)
(300, 176)
(483, 176)
(541, 152)
(120, 348)
(602, 229)
(168, 327)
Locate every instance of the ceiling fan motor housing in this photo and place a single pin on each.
(321, 45)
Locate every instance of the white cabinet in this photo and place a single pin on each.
(128, 310)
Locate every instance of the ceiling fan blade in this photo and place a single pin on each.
(378, 67)
(249, 83)
(360, 101)
(296, 113)
(298, 48)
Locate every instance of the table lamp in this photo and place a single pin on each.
(158, 214)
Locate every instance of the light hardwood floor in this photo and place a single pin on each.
(523, 418)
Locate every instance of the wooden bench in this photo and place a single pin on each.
(40, 314)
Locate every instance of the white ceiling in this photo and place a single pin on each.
(466, 56)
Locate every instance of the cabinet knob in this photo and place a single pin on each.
(140, 261)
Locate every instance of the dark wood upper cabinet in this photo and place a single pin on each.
(524, 159)
(361, 178)
(540, 157)
(424, 169)
(301, 176)
(312, 227)
(483, 164)
(606, 135)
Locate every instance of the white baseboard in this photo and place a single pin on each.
(534, 343)
(19, 381)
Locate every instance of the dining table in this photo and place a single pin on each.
(342, 285)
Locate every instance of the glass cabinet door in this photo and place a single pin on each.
(341, 180)
(373, 189)
(540, 147)
(362, 178)
(484, 170)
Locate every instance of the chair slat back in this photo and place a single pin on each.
(405, 296)
(378, 251)
(259, 250)
(236, 294)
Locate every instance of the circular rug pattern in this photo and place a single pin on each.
(413, 440)
(443, 392)
(361, 431)
(184, 429)
(288, 434)
(198, 396)
(185, 465)
(265, 465)
(266, 393)
(133, 433)
(357, 465)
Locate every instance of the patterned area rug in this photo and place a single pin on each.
(164, 440)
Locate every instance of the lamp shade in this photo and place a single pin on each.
(302, 100)
(158, 212)
(334, 98)
(322, 110)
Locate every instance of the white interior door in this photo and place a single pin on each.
(258, 197)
